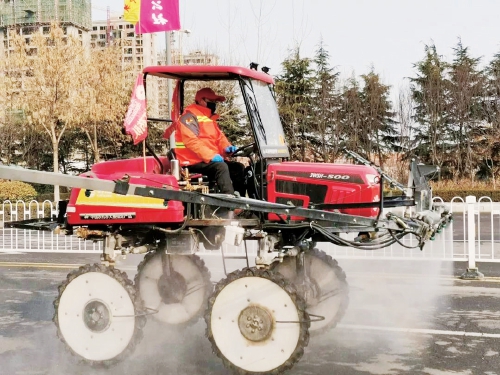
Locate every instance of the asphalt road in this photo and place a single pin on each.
(403, 318)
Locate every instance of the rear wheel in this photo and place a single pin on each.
(179, 298)
(256, 322)
(98, 315)
(328, 292)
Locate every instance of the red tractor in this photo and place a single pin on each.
(258, 318)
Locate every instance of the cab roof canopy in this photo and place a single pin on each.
(206, 72)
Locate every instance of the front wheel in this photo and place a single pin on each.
(256, 322)
(98, 315)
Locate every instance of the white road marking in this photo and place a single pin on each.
(419, 330)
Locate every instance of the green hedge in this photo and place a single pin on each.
(16, 190)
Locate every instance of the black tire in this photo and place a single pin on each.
(301, 329)
(202, 277)
(138, 311)
(337, 284)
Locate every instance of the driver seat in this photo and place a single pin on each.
(194, 177)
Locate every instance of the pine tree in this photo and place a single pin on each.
(428, 91)
(491, 111)
(294, 89)
(326, 106)
(351, 115)
(378, 117)
(465, 90)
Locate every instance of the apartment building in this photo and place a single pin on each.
(27, 17)
(137, 49)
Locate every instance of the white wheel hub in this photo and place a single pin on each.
(96, 316)
(194, 297)
(255, 324)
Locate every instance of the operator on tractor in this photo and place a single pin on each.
(203, 147)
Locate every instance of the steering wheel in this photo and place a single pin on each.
(244, 150)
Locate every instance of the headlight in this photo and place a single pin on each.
(373, 178)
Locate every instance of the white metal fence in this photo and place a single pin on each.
(23, 240)
(478, 220)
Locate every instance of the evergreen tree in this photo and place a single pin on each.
(326, 107)
(378, 118)
(465, 90)
(491, 111)
(294, 89)
(428, 91)
(351, 113)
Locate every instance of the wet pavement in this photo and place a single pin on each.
(403, 318)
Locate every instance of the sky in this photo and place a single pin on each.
(388, 35)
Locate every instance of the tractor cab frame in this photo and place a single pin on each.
(257, 93)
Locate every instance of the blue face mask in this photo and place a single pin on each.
(212, 106)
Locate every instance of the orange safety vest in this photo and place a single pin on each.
(198, 137)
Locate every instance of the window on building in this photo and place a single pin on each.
(94, 28)
(130, 35)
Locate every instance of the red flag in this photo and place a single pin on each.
(136, 122)
(158, 16)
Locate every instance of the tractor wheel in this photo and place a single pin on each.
(98, 315)
(179, 299)
(256, 322)
(329, 293)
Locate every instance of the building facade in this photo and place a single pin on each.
(27, 17)
(137, 49)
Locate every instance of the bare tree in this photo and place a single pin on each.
(405, 112)
(105, 83)
(49, 86)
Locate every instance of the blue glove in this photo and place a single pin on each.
(217, 158)
(230, 149)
